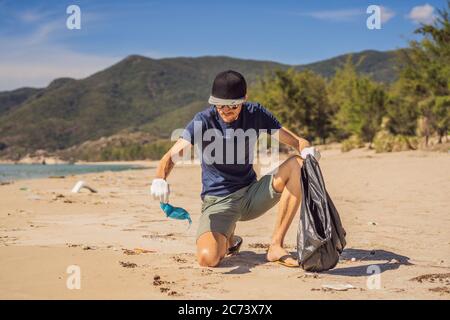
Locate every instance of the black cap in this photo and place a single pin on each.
(229, 87)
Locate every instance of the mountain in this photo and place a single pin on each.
(9, 100)
(136, 94)
(380, 65)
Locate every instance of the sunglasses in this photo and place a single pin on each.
(232, 107)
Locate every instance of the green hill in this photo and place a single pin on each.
(136, 94)
(381, 66)
(10, 100)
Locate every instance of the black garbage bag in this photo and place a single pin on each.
(320, 236)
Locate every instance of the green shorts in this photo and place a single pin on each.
(220, 213)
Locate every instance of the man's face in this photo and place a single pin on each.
(229, 113)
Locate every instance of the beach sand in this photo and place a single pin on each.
(394, 207)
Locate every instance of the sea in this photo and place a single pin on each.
(11, 172)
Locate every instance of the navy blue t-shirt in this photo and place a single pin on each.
(232, 169)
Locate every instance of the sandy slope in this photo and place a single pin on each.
(395, 206)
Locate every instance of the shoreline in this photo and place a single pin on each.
(133, 165)
(131, 162)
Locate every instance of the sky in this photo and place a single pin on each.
(36, 46)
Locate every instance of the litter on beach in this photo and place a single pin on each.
(176, 212)
(136, 251)
(338, 287)
(80, 185)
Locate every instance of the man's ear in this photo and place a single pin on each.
(246, 97)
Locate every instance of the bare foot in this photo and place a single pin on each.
(276, 252)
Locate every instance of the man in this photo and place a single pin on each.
(230, 190)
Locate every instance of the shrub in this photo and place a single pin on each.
(386, 142)
(352, 143)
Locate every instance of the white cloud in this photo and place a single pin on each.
(348, 14)
(37, 67)
(42, 33)
(336, 15)
(386, 14)
(30, 16)
(34, 59)
(422, 14)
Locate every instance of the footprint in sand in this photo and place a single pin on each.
(128, 264)
(433, 277)
(440, 290)
(179, 259)
(157, 281)
(441, 278)
(259, 245)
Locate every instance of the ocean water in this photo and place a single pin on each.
(10, 172)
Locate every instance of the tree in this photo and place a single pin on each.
(298, 100)
(424, 82)
(358, 101)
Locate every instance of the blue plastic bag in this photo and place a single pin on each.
(175, 212)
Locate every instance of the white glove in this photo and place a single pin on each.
(312, 151)
(160, 190)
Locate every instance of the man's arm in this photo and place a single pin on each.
(160, 188)
(167, 163)
(289, 138)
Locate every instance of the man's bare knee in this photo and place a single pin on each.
(288, 171)
(206, 258)
(211, 247)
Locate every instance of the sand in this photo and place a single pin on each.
(395, 208)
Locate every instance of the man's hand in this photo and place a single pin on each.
(312, 151)
(160, 190)
(287, 137)
(302, 144)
